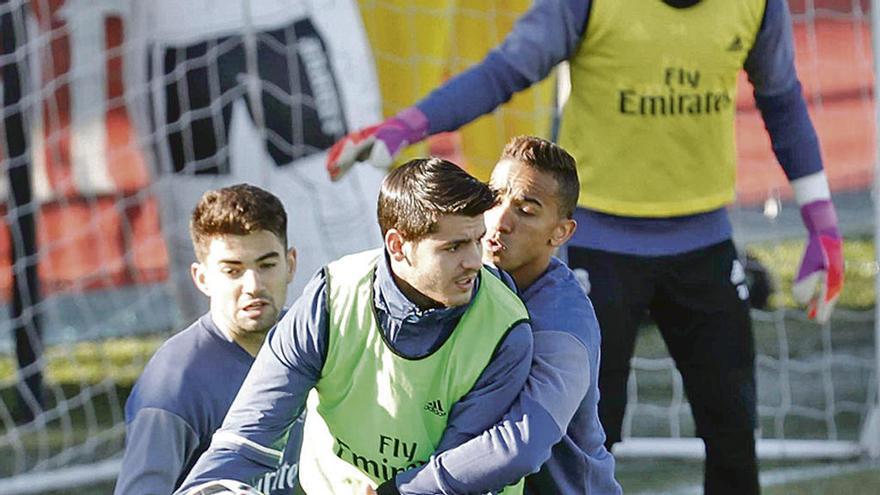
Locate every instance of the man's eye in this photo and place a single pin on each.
(453, 248)
(230, 271)
(267, 266)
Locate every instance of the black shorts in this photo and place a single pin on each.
(699, 301)
(299, 108)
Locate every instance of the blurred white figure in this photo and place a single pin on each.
(256, 91)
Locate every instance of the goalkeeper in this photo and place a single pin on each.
(244, 267)
(402, 346)
(650, 122)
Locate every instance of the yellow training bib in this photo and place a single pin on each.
(650, 119)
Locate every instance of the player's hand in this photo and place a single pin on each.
(378, 144)
(820, 277)
(370, 491)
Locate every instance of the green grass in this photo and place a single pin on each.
(861, 483)
(653, 476)
(782, 259)
(88, 363)
(645, 476)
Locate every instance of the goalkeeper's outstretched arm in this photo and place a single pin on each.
(547, 34)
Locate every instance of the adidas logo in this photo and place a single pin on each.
(735, 45)
(435, 407)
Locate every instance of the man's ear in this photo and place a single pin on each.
(394, 242)
(563, 231)
(291, 264)
(198, 272)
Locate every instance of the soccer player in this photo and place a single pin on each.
(244, 267)
(650, 122)
(407, 348)
(556, 414)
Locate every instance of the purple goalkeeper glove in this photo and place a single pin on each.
(378, 144)
(820, 276)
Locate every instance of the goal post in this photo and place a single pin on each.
(25, 283)
(870, 435)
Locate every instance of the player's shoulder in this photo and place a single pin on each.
(558, 282)
(775, 16)
(182, 351)
(557, 301)
(180, 371)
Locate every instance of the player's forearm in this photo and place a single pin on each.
(523, 440)
(285, 370)
(792, 134)
(473, 93)
(251, 441)
(544, 36)
(512, 449)
(270, 399)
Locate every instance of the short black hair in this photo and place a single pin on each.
(416, 194)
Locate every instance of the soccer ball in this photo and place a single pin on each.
(224, 487)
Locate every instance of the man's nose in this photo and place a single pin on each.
(504, 218)
(473, 258)
(499, 219)
(251, 282)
